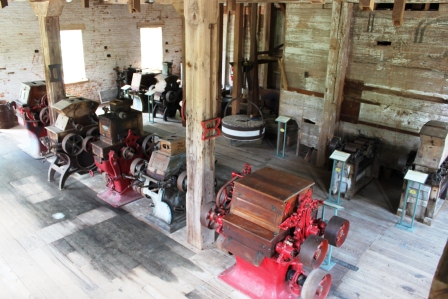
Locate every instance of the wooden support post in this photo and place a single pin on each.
(201, 70)
(4, 3)
(48, 13)
(265, 39)
(253, 52)
(337, 63)
(237, 56)
(184, 58)
(398, 12)
(284, 80)
(85, 3)
(366, 5)
(134, 6)
(220, 58)
(231, 4)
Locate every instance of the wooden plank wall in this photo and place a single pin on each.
(390, 91)
(307, 38)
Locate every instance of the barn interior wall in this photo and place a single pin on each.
(391, 90)
(110, 26)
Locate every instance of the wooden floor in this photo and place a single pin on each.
(96, 251)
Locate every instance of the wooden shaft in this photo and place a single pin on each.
(237, 56)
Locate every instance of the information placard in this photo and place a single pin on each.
(340, 156)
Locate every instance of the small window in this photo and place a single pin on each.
(152, 49)
(73, 56)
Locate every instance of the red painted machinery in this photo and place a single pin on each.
(120, 144)
(76, 123)
(32, 113)
(268, 220)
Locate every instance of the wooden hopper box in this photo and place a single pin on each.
(261, 202)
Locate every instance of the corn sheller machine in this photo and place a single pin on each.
(135, 165)
(360, 168)
(432, 159)
(75, 124)
(121, 142)
(32, 114)
(268, 220)
(164, 179)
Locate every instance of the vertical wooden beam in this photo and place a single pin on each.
(184, 58)
(253, 52)
(134, 6)
(265, 39)
(238, 56)
(225, 62)
(85, 3)
(231, 5)
(48, 13)
(366, 5)
(398, 12)
(220, 57)
(201, 70)
(3, 3)
(337, 64)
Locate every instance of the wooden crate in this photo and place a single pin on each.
(172, 145)
(267, 197)
(261, 202)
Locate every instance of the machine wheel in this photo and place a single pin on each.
(93, 132)
(87, 143)
(150, 144)
(136, 166)
(317, 285)
(335, 143)
(72, 144)
(336, 231)
(171, 96)
(85, 160)
(205, 212)
(182, 181)
(313, 251)
(44, 116)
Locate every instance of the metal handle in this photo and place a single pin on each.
(225, 111)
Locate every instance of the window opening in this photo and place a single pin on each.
(73, 56)
(152, 49)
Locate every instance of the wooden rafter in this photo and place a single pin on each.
(398, 12)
